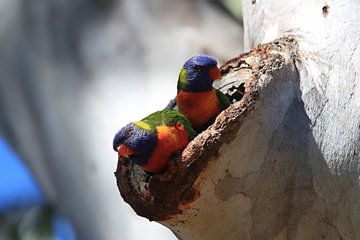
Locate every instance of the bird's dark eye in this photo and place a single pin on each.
(198, 68)
(128, 133)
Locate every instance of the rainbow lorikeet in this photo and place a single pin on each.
(151, 142)
(196, 97)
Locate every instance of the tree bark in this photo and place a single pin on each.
(282, 162)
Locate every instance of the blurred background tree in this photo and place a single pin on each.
(73, 72)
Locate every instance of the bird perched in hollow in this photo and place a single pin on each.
(151, 142)
(196, 98)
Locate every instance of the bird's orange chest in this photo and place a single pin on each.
(170, 140)
(198, 107)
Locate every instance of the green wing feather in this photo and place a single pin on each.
(224, 101)
(165, 117)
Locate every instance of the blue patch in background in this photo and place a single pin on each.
(18, 188)
(19, 191)
(62, 228)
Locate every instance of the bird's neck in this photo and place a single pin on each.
(170, 139)
(198, 107)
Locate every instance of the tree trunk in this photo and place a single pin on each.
(283, 161)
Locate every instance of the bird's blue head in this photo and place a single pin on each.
(135, 142)
(198, 74)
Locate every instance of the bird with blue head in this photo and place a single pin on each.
(151, 142)
(196, 98)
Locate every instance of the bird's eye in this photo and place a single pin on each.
(128, 133)
(198, 68)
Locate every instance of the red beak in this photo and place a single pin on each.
(125, 151)
(215, 73)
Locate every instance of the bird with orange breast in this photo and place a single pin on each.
(196, 98)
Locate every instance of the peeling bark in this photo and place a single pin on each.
(282, 162)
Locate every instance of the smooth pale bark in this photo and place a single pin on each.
(282, 163)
